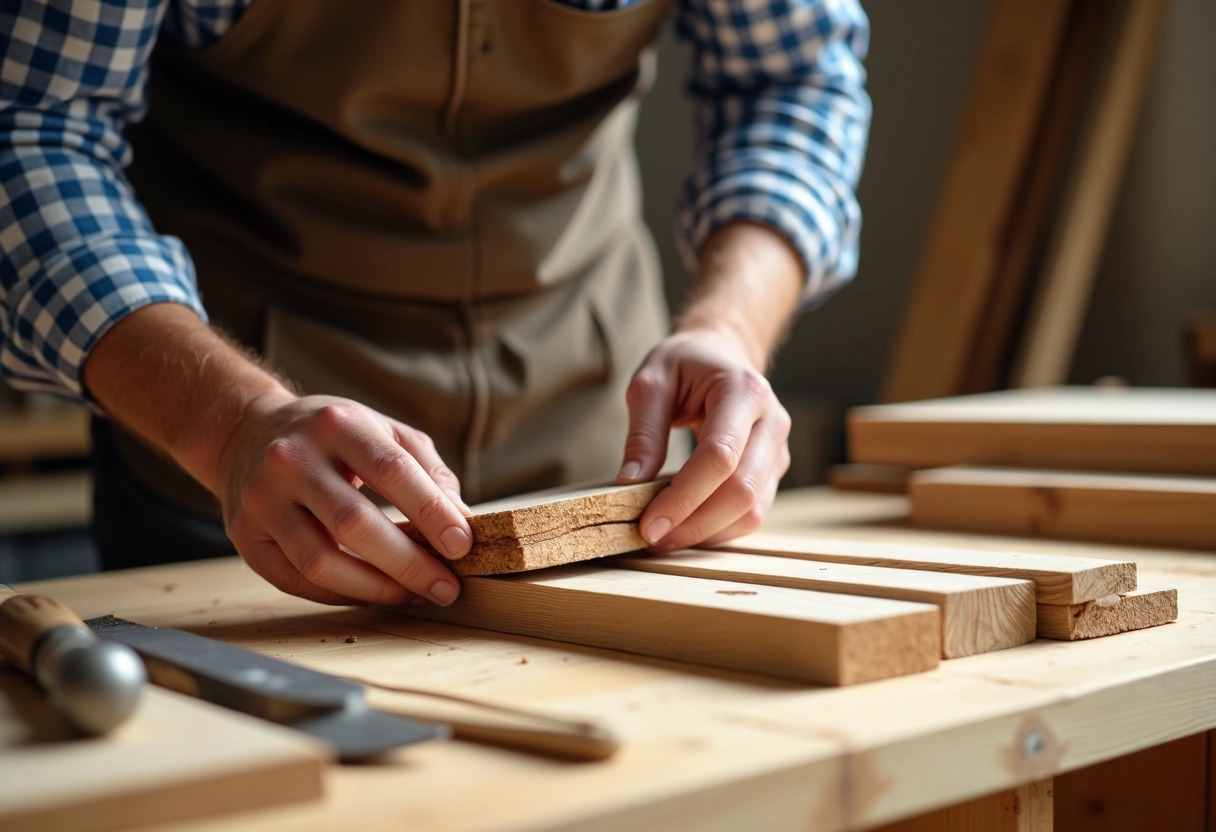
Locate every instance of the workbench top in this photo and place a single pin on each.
(706, 749)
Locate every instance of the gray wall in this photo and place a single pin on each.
(1160, 264)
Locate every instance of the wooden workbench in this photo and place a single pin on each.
(708, 750)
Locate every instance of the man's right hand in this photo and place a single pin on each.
(286, 469)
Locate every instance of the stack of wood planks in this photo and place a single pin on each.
(1117, 465)
(812, 610)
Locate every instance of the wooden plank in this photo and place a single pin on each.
(1157, 788)
(1107, 616)
(979, 614)
(1158, 431)
(791, 633)
(177, 758)
(1116, 508)
(991, 354)
(44, 433)
(1062, 298)
(45, 501)
(1026, 808)
(950, 289)
(1199, 340)
(551, 528)
(1058, 579)
(1211, 786)
(861, 476)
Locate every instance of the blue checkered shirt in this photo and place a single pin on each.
(782, 118)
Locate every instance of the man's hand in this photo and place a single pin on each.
(285, 468)
(709, 376)
(292, 469)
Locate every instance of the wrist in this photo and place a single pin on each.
(748, 284)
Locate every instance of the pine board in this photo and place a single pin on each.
(1116, 508)
(1162, 431)
(979, 614)
(551, 528)
(790, 633)
(176, 758)
(1107, 616)
(1058, 579)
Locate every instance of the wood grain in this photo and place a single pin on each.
(949, 293)
(1116, 508)
(979, 614)
(790, 633)
(877, 479)
(1026, 808)
(1058, 579)
(1161, 431)
(551, 528)
(177, 758)
(1107, 616)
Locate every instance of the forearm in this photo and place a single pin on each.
(748, 285)
(165, 374)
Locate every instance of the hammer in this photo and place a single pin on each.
(95, 684)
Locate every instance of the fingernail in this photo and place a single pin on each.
(444, 592)
(630, 471)
(455, 542)
(657, 529)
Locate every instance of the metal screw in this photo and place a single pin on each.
(1034, 744)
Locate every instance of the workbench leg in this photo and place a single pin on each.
(1027, 808)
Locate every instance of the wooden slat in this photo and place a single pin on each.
(1058, 579)
(43, 433)
(1062, 298)
(1107, 616)
(958, 263)
(979, 614)
(551, 528)
(1160, 431)
(991, 353)
(176, 758)
(1117, 508)
(790, 633)
(45, 501)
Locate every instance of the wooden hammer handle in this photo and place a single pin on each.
(23, 618)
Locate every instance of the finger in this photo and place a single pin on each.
(754, 519)
(744, 490)
(392, 470)
(357, 523)
(266, 559)
(422, 448)
(731, 415)
(650, 398)
(317, 558)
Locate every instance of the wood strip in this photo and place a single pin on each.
(551, 528)
(1115, 508)
(1107, 616)
(979, 614)
(1157, 431)
(991, 354)
(1058, 579)
(950, 290)
(1062, 298)
(44, 433)
(791, 633)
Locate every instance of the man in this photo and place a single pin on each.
(425, 214)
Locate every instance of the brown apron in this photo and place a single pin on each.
(429, 206)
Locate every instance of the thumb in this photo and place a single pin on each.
(650, 398)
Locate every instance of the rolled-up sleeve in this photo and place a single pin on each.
(77, 252)
(782, 121)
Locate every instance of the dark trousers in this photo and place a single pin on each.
(133, 526)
